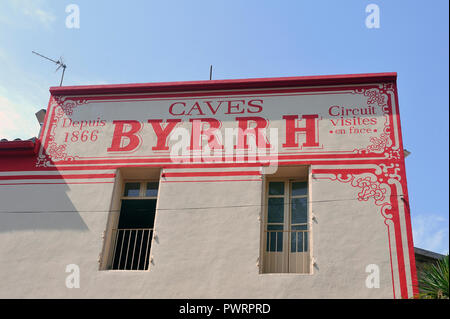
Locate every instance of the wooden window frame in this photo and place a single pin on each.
(287, 196)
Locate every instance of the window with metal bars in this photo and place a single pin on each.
(286, 228)
(132, 238)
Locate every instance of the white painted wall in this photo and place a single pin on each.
(199, 253)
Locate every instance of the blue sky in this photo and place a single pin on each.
(152, 41)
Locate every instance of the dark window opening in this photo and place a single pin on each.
(133, 235)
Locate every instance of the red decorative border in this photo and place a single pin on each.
(379, 184)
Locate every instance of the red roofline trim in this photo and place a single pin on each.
(255, 83)
(19, 147)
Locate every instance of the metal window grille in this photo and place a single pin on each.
(131, 248)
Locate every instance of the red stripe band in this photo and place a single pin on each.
(79, 176)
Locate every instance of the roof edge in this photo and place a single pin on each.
(29, 147)
(428, 253)
(251, 83)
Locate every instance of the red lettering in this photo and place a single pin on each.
(214, 111)
(173, 104)
(251, 104)
(131, 135)
(64, 123)
(244, 130)
(162, 133)
(331, 108)
(198, 132)
(235, 106)
(309, 130)
(197, 107)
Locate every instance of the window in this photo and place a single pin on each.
(286, 227)
(132, 239)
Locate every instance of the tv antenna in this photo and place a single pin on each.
(60, 64)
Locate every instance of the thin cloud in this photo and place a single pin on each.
(13, 11)
(14, 123)
(44, 17)
(430, 232)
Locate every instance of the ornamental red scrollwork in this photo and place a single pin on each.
(63, 108)
(369, 185)
(375, 184)
(382, 144)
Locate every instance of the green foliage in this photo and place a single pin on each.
(433, 280)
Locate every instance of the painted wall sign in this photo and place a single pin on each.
(351, 122)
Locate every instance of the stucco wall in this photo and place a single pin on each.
(198, 252)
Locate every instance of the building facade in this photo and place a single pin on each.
(258, 188)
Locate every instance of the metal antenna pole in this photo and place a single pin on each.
(62, 75)
(210, 72)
